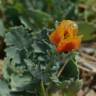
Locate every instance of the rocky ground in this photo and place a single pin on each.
(87, 65)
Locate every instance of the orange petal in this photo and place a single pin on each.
(67, 28)
(54, 38)
(68, 46)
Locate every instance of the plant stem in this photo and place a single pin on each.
(43, 91)
(62, 68)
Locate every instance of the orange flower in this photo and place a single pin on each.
(68, 45)
(65, 37)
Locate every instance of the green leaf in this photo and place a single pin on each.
(70, 87)
(4, 90)
(41, 18)
(5, 69)
(12, 52)
(18, 37)
(2, 28)
(70, 70)
(19, 83)
(36, 48)
(87, 30)
(26, 22)
(12, 16)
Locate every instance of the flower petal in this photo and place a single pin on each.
(68, 46)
